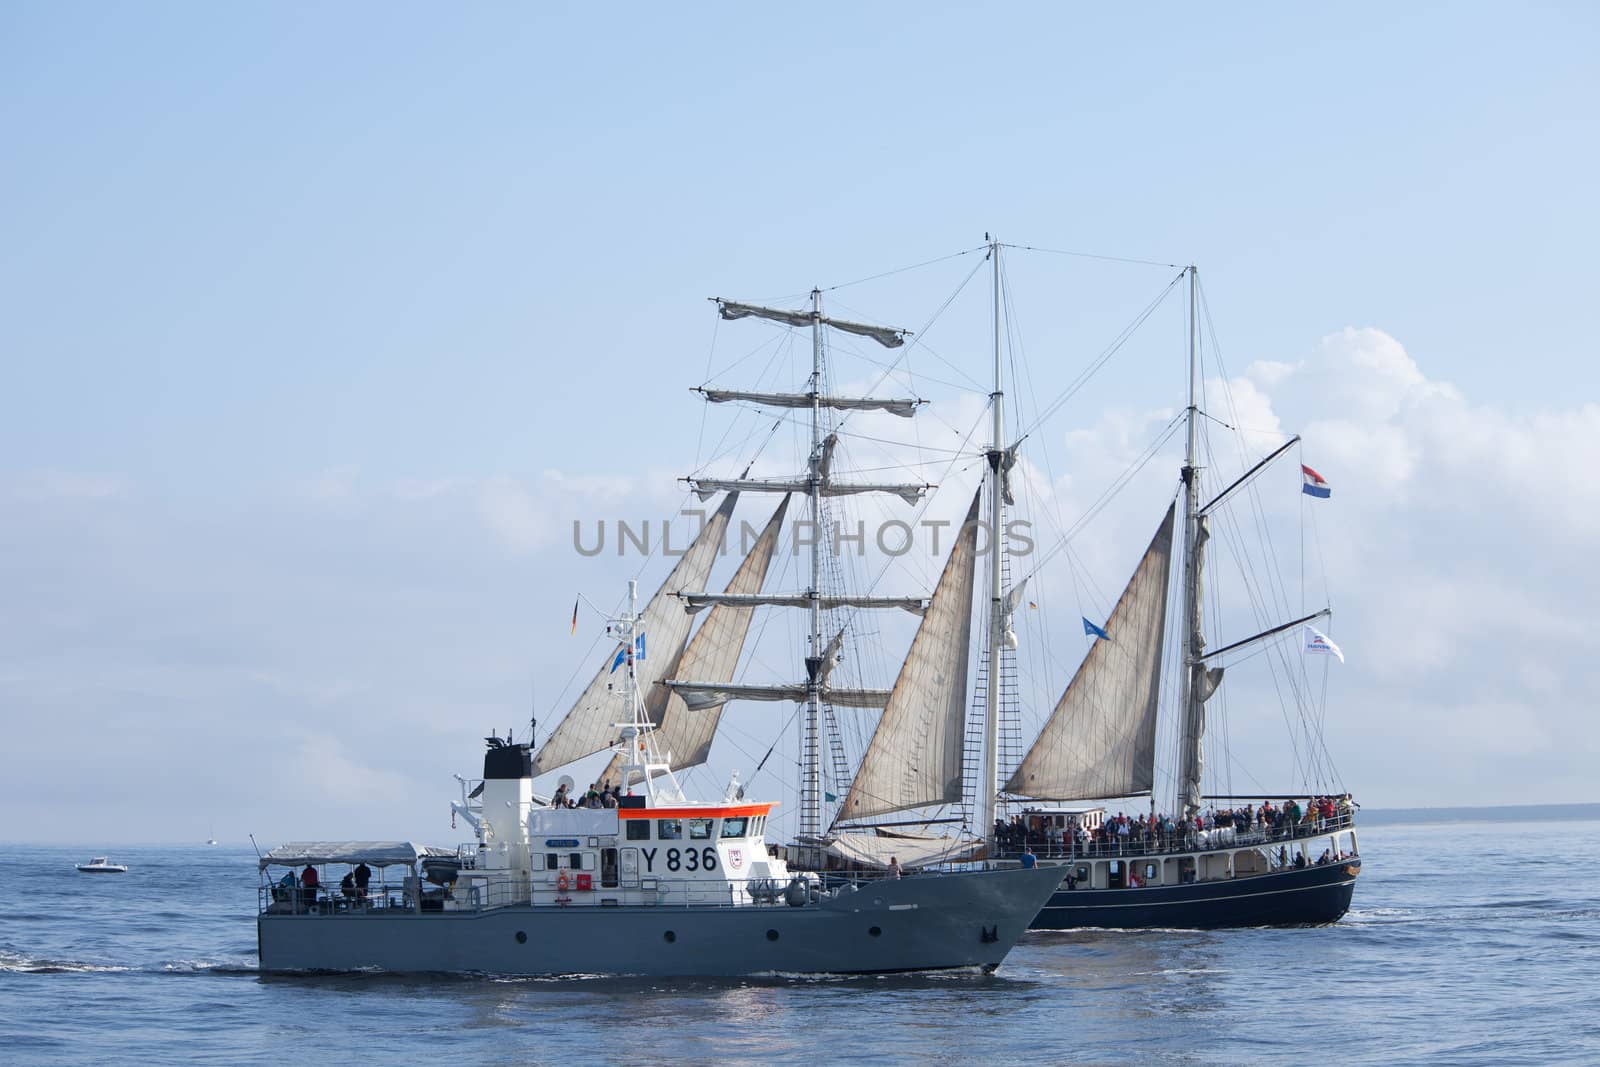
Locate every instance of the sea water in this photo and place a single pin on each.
(1468, 942)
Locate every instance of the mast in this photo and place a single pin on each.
(1192, 643)
(811, 753)
(644, 756)
(987, 800)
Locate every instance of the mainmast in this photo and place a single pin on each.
(1195, 682)
(987, 799)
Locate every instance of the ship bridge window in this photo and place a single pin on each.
(575, 861)
(734, 827)
(638, 829)
(552, 861)
(700, 829)
(669, 829)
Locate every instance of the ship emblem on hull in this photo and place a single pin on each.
(736, 858)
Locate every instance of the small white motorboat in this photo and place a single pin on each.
(101, 865)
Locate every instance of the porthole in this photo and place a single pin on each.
(669, 937)
(772, 935)
(876, 931)
(522, 937)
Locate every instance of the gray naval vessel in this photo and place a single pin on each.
(644, 883)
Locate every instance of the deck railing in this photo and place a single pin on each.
(1164, 844)
(396, 900)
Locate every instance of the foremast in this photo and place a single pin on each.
(811, 745)
(817, 483)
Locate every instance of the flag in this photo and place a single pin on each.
(1317, 641)
(575, 615)
(1033, 605)
(1314, 484)
(1091, 628)
(622, 653)
(829, 797)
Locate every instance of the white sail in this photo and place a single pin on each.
(706, 488)
(1100, 740)
(713, 653)
(695, 602)
(887, 336)
(914, 758)
(894, 406)
(713, 694)
(591, 724)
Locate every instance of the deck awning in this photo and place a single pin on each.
(372, 853)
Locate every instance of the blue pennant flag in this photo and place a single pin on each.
(622, 653)
(1091, 628)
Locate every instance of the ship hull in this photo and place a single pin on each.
(924, 922)
(1308, 896)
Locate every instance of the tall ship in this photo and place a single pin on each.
(635, 877)
(943, 779)
(1276, 858)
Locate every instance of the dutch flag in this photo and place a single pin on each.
(1315, 484)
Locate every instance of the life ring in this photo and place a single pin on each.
(561, 882)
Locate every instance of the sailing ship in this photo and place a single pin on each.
(1217, 861)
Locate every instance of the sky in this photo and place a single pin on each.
(319, 327)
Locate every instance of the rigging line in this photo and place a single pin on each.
(1092, 255)
(916, 338)
(583, 662)
(804, 421)
(1105, 497)
(700, 439)
(1276, 581)
(779, 337)
(768, 370)
(902, 270)
(861, 355)
(738, 447)
(1105, 355)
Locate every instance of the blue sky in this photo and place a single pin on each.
(277, 282)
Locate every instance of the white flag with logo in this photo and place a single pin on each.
(1317, 641)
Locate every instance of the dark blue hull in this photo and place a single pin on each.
(1306, 896)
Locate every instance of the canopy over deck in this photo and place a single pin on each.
(372, 853)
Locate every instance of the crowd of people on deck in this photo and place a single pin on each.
(1123, 833)
(600, 795)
